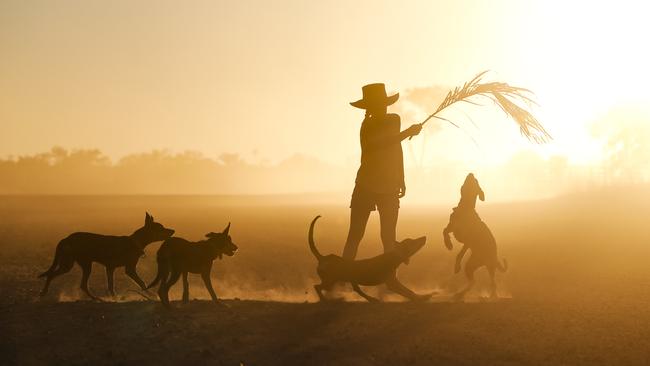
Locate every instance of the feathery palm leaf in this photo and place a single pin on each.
(501, 94)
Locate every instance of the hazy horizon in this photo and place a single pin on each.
(90, 172)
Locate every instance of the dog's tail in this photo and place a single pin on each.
(312, 245)
(502, 267)
(55, 262)
(159, 274)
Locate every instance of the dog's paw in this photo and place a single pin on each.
(423, 297)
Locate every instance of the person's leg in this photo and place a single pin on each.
(358, 221)
(388, 208)
(388, 212)
(361, 205)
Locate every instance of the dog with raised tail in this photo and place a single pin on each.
(382, 269)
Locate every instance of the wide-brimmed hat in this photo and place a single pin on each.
(374, 94)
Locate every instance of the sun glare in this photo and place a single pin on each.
(591, 58)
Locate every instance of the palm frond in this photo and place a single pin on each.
(502, 94)
(445, 119)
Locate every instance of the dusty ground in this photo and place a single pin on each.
(577, 291)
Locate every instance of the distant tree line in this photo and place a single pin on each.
(61, 171)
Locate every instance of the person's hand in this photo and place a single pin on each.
(402, 192)
(414, 129)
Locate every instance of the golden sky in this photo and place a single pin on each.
(271, 78)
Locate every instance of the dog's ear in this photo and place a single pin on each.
(481, 195)
(227, 229)
(148, 219)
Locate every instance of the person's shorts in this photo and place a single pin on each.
(365, 199)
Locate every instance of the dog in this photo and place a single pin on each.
(373, 271)
(469, 229)
(178, 256)
(111, 251)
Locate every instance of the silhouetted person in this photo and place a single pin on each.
(380, 179)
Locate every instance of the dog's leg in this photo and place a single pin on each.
(319, 292)
(65, 266)
(470, 267)
(186, 289)
(163, 291)
(493, 283)
(323, 285)
(459, 259)
(208, 284)
(131, 272)
(446, 237)
(394, 285)
(358, 290)
(164, 278)
(86, 268)
(109, 280)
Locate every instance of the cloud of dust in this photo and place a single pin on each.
(230, 291)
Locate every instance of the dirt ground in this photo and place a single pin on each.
(577, 290)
